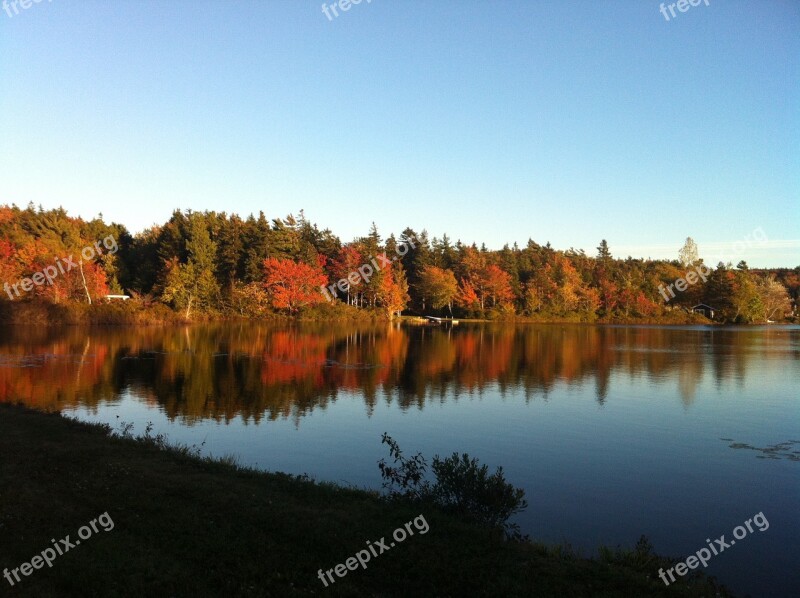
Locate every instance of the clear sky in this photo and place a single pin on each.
(566, 121)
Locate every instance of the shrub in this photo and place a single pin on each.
(465, 486)
(406, 480)
(461, 485)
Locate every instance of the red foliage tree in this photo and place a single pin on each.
(644, 306)
(292, 285)
(347, 260)
(497, 285)
(96, 282)
(466, 296)
(609, 295)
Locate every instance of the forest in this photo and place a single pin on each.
(214, 265)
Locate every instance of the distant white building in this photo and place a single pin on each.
(113, 297)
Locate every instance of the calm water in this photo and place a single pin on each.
(680, 434)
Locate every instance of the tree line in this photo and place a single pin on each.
(218, 264)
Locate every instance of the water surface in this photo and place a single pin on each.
(680, 434)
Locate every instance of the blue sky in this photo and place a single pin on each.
(494, 122)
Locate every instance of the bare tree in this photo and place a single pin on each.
(774, 298)
(688, 254)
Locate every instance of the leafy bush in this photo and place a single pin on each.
(641, 558)
(465, 486)
(406, 480)
(462, 486)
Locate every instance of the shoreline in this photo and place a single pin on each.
(118, 314)
(187, 525)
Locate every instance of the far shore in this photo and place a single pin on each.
(42, 313)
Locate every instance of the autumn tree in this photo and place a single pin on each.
(249, 300)
(93, 278)
(567, 295)
(177, 285)
(734, 294)
(347, 260)
(291, 285)
(540, 291)
(466, 297)
(438, 286)
(774, 299)
(393, 291)
(496, 285)
(10, 270)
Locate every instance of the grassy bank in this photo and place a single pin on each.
(185, 526)
(133, 313)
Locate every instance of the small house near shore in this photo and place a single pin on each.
(706, 310)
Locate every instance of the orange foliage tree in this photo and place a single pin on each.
(393, 291)
(291, 285)
(348, 259)
(497, 286)
(9, 266)
(466, 296)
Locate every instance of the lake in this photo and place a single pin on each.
(677, 433)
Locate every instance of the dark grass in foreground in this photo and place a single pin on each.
(191, 527)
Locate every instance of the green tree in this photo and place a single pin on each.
(193, 284)
(438, 287)
(230, 251)
(603, 253)
(256, 241)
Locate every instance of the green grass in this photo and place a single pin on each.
(186, 526)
